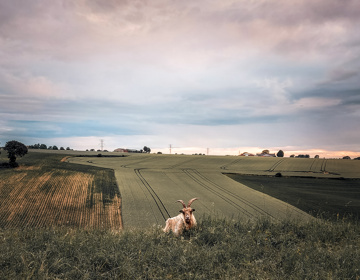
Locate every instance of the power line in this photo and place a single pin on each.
(102, 144)
(171, 148)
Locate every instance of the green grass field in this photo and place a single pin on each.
(217, 249)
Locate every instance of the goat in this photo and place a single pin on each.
(185, 219)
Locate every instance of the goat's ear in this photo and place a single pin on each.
(181, 211)
(193, 210)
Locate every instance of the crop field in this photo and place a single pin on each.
(45, 191)
(141, 190)
(150, 185)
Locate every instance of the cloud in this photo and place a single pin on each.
(316, 102)
(45, 129)
(342, 74)
(278, 89)
(259, 71)
(24, 84)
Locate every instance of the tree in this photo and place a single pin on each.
(14, 149)
(265, 152)
(35, 146)
(146, 149)
(280, 153)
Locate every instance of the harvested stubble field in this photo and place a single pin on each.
(45, 191)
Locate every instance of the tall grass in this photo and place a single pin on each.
(216, 249)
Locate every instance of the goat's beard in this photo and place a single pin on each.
(187, 221)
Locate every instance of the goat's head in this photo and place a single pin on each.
(187, 211)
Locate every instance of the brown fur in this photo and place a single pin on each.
(185, 220)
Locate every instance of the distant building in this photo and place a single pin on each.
(121, 150)
(265, 155)
(246, 154)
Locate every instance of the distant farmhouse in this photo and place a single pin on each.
(265, 155)
(246, 154)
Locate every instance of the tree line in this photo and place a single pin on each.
(45, 147)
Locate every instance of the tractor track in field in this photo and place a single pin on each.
(135, 162)
(225, 167)
(217, 189)
(311, 166)
(323, 165)
(181, 163)
(160, 205)
(275, 165)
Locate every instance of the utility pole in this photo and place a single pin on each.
(207, 151)
(170, 149)
(102, 144)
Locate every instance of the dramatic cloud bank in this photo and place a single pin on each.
(223, 75)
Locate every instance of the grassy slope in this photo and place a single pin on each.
(217, 249)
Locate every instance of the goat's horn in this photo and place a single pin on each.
(182, 202)
(191, 201)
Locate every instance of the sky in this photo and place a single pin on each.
(217, 77)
